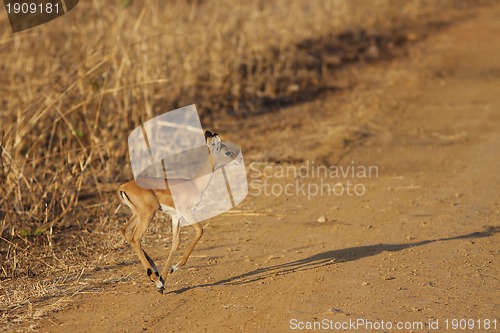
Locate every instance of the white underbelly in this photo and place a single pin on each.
(168, 209)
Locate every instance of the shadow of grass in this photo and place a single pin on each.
(267, 85)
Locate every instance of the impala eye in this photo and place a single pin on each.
(229, 153)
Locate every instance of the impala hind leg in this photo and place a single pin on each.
(127, 230)
(129, 227)
(135, 238)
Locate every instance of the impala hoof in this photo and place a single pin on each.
(160, 290)
(173, 269)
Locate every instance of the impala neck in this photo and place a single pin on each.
(206, 171)
(211, 160)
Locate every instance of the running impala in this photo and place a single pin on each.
(144, 203)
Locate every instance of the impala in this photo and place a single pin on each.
(144, 202)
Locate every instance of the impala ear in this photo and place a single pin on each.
(208, 135)
(213, 140)
(216, 142)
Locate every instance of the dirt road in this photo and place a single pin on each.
(419, 246)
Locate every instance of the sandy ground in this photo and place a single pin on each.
(419, 246)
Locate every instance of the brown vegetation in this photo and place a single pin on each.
(73, 89)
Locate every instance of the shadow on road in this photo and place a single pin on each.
(329, 258)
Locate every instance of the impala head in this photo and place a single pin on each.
(221, 154)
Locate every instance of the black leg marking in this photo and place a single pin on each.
(149, 272)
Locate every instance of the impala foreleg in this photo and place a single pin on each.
(198, 229)
(176, 240)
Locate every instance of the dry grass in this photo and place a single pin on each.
(71, 91)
